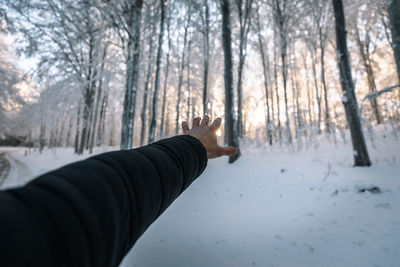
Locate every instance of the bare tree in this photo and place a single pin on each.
(231, 135)
(265, 64)
(181, 68)
(157, 79)
(188, 84)
(284, 19)
(394, 15)
(143, 114)
(360, 153)
(366, 49)
(244, 12)
(162, 128)
(206, 53)
(127, 17)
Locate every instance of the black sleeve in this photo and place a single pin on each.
(90, 213)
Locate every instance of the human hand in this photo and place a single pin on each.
(207, 135)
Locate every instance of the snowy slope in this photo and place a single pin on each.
(276, 209)
(283, 209)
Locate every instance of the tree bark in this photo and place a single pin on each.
(162, 128)
(360, 152)
(244, 27)
(231, 136)
(98, 100)
(206, 56)
(157, 79)
(103, 109)
(78, 126)
(278, 105)
(42, 140)
(394, 15)
(317, 92)
(143, 114)
(322, 58)
(132, 69)
(181, 69)
(189, 89)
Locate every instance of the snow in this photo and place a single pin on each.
(276, 208)
(27, 164)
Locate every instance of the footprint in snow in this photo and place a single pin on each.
(220, 241)
(383, 206)
(309, 247)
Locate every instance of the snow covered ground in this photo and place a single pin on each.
(271, 208)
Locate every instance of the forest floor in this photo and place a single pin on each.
(270, 208)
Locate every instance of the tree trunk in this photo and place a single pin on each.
(206, 56)
(146, 88)
(363, 47)
(162, 128)
(394, 15)
(85, 120)
(90, 92)
(230, 130)
(69, 132)
(280, 20)
(310, 110)
(153, 121)
(278, 105)
(180, 74)
(322, 58)
(244, 27)
(317, 93)
(103, 109)
(189, 90)
(132, 69)
(98, 100)
(360, 152)
(60, 133)
(42, 140)
(265, 73)
(78, 126)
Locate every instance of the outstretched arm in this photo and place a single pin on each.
(90, 213)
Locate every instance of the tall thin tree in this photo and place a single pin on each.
(157, 79)
(360, 152)
(181, 68)
(394, 15)
(231, 135)
(131, 22)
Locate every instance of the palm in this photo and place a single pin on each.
(207, 135)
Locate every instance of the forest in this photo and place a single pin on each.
(280, 73)
(308, 92)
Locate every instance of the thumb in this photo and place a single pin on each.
(229, 151)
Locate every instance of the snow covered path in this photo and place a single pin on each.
(19, 173)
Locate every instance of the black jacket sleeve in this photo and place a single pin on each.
(90, 213)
